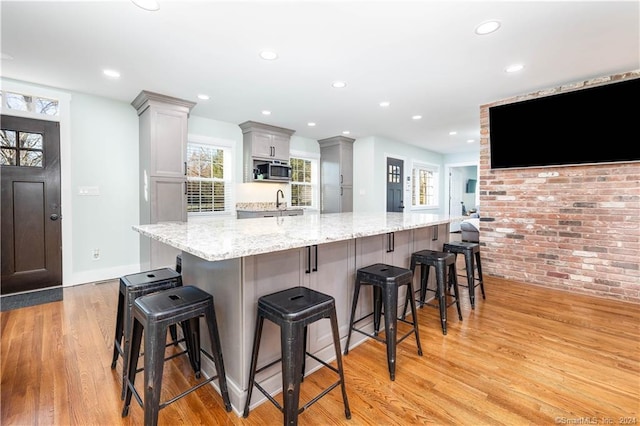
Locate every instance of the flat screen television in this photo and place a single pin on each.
(599, 124)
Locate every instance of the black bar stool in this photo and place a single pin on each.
(386, 281)
(445, 266)
(131, 287)
(293, 310)
(470, 251)
(152, 315)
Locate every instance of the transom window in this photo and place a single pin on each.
(33, 104)
(424, 192)
(208, 178)
(22, 149)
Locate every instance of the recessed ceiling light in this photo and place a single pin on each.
(487, 27)
(514, 68)
(311, 124)
(470, 141)
(111, 73)
(203, 97)
(150, 5)
(416, 117)
(385, 104)
(453, 132)
(268, 55)
(338, 84)
(265, 112)
(346, 132)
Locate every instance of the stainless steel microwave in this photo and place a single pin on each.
(275, 170)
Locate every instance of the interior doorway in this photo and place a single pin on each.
(461, 191)
(30, 212)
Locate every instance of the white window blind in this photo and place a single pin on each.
(304, 182)
(209, 185)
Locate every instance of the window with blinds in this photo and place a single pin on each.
(303, 185)
(425, 184)
(208, 179)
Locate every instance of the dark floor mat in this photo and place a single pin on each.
(16, 301)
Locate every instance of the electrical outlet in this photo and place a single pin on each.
(96, 254)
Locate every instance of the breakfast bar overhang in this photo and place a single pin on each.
(238, 261)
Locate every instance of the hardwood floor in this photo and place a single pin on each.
(526, 355)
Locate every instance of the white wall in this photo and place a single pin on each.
(104, 154)
(369, 172)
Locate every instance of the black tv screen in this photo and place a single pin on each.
(587, 126)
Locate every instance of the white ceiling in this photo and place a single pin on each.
(422, 56)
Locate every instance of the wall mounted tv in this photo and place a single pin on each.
(599, 124)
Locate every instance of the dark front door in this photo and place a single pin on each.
(30, 209)
(395, 202)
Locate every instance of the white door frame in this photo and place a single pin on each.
(447, 190)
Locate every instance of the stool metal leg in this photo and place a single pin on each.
(470, 270)
(453, 281)
(155, 336)
(442, 295)
(354, 304)
(254, 362)
(214, 336)
(292, 346)
(390, 324)
(414, 318)
(117, 341)
(336, 345)
(479, 267)
(377, 309)
(136, 339)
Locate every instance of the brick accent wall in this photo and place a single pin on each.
(574, 228)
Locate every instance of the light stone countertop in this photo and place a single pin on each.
(227, 238)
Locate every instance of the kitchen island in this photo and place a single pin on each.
(238, 261)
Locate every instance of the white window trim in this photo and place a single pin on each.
(229, 170)
(436, 196)
(315, 176)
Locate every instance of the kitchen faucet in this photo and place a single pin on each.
(278, 198)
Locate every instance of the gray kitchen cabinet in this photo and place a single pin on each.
(263, 142)
(336, 174)
(162, 179)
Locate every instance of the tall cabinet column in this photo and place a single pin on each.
(163, 170)
(336, 174)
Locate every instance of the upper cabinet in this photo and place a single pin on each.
(263, 142)
(336, 174)
(163, 134)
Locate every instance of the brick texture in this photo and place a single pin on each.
(574, 228)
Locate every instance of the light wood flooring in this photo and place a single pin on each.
(525, 355)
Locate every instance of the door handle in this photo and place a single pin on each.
(308, 270)
(55, 217)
